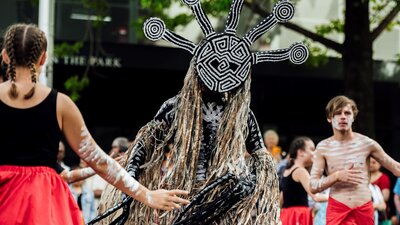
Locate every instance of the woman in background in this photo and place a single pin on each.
(294, 185)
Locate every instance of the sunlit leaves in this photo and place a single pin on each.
(65, 49)
(318, 55)
(216, 7)
(334, 26)
(74, 85)
(100, 8)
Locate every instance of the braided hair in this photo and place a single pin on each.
(3, 67)
(24, 44)
(3, 70)
(296, 144)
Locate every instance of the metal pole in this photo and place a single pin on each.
(46, 24)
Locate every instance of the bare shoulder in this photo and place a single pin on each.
(323, 145)
(64, 100)
(364, 140)
(68, 114)
(65, 104)
(3, 89)
(299, 173)
(2, 85)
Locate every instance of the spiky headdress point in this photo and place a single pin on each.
(223, 60)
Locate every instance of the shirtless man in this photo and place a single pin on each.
(345, 157)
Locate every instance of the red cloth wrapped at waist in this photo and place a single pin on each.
(339, 213)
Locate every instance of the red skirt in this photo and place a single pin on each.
(296, 215)
(36, 196)
(338, 213)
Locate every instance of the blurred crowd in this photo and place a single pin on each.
(385, 193)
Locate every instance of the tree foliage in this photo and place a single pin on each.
(361, 18)
(78, 82)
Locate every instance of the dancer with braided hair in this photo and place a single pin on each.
(3, 76)
(209, 126)
(34, 119)
(3, 67)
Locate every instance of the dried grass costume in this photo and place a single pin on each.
(198, 139)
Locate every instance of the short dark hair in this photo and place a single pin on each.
(296, 144)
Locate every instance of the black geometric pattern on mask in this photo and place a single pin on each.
(223, 60)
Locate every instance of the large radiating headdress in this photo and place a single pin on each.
(223, 60)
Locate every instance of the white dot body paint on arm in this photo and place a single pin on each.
(114, 173)
(69, 176)
(149, 198)
(317, 184)
(85, 172)
(129, 182)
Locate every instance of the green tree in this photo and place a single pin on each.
(363, 22)
(76, 83)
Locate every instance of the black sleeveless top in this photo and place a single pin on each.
(293, 192)
(30, 137)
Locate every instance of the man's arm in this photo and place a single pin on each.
(317, 182)
(384, 159)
